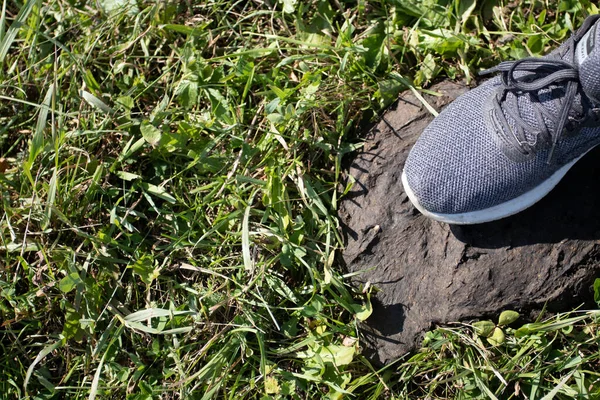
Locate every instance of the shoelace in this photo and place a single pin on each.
(539, 73)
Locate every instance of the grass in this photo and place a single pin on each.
(169, 176)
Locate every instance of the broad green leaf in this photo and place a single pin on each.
(145, 269)
(150, 133)
(126, 101)
(508, 317)
(309, 193)
(336, 354)
(409, 7)
(597, 291)
(497, 337)
(147, 329)
(551, 326)
(280, 93)
(72, 328)
(427, 71)
(69, 282)
(275, 118)
(130, 148)
(571, 363)
(314, 308)
(388, 91)
(280, 287)
(187, 91)
(186, 30)
(18, 247)
(484, 328)
(542, 17)
(364, 311)
(464, 8)
(290, 327)
(289, 6)
(220, 105)
(535, 44)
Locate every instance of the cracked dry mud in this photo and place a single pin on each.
(429, 273)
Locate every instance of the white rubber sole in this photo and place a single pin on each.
(499, 211)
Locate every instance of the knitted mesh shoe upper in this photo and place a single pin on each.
(466, 161)
(589, 67)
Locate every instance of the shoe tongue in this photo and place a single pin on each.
(587, 57)
(548, 98)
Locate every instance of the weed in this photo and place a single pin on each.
(169, 176)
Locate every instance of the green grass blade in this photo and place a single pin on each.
(11, 34)
(231, 190)
(51, 198)
(96, 380)
(45, 351)
(3, 21)
(37, 142)
(558, 387)
(246, 240)
(95, 102)
(248, 265)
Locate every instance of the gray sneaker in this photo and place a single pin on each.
(504, 145)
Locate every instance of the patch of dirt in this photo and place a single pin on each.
(430, 273)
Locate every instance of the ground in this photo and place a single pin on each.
(169, 177)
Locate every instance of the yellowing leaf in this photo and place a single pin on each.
(271, 385)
